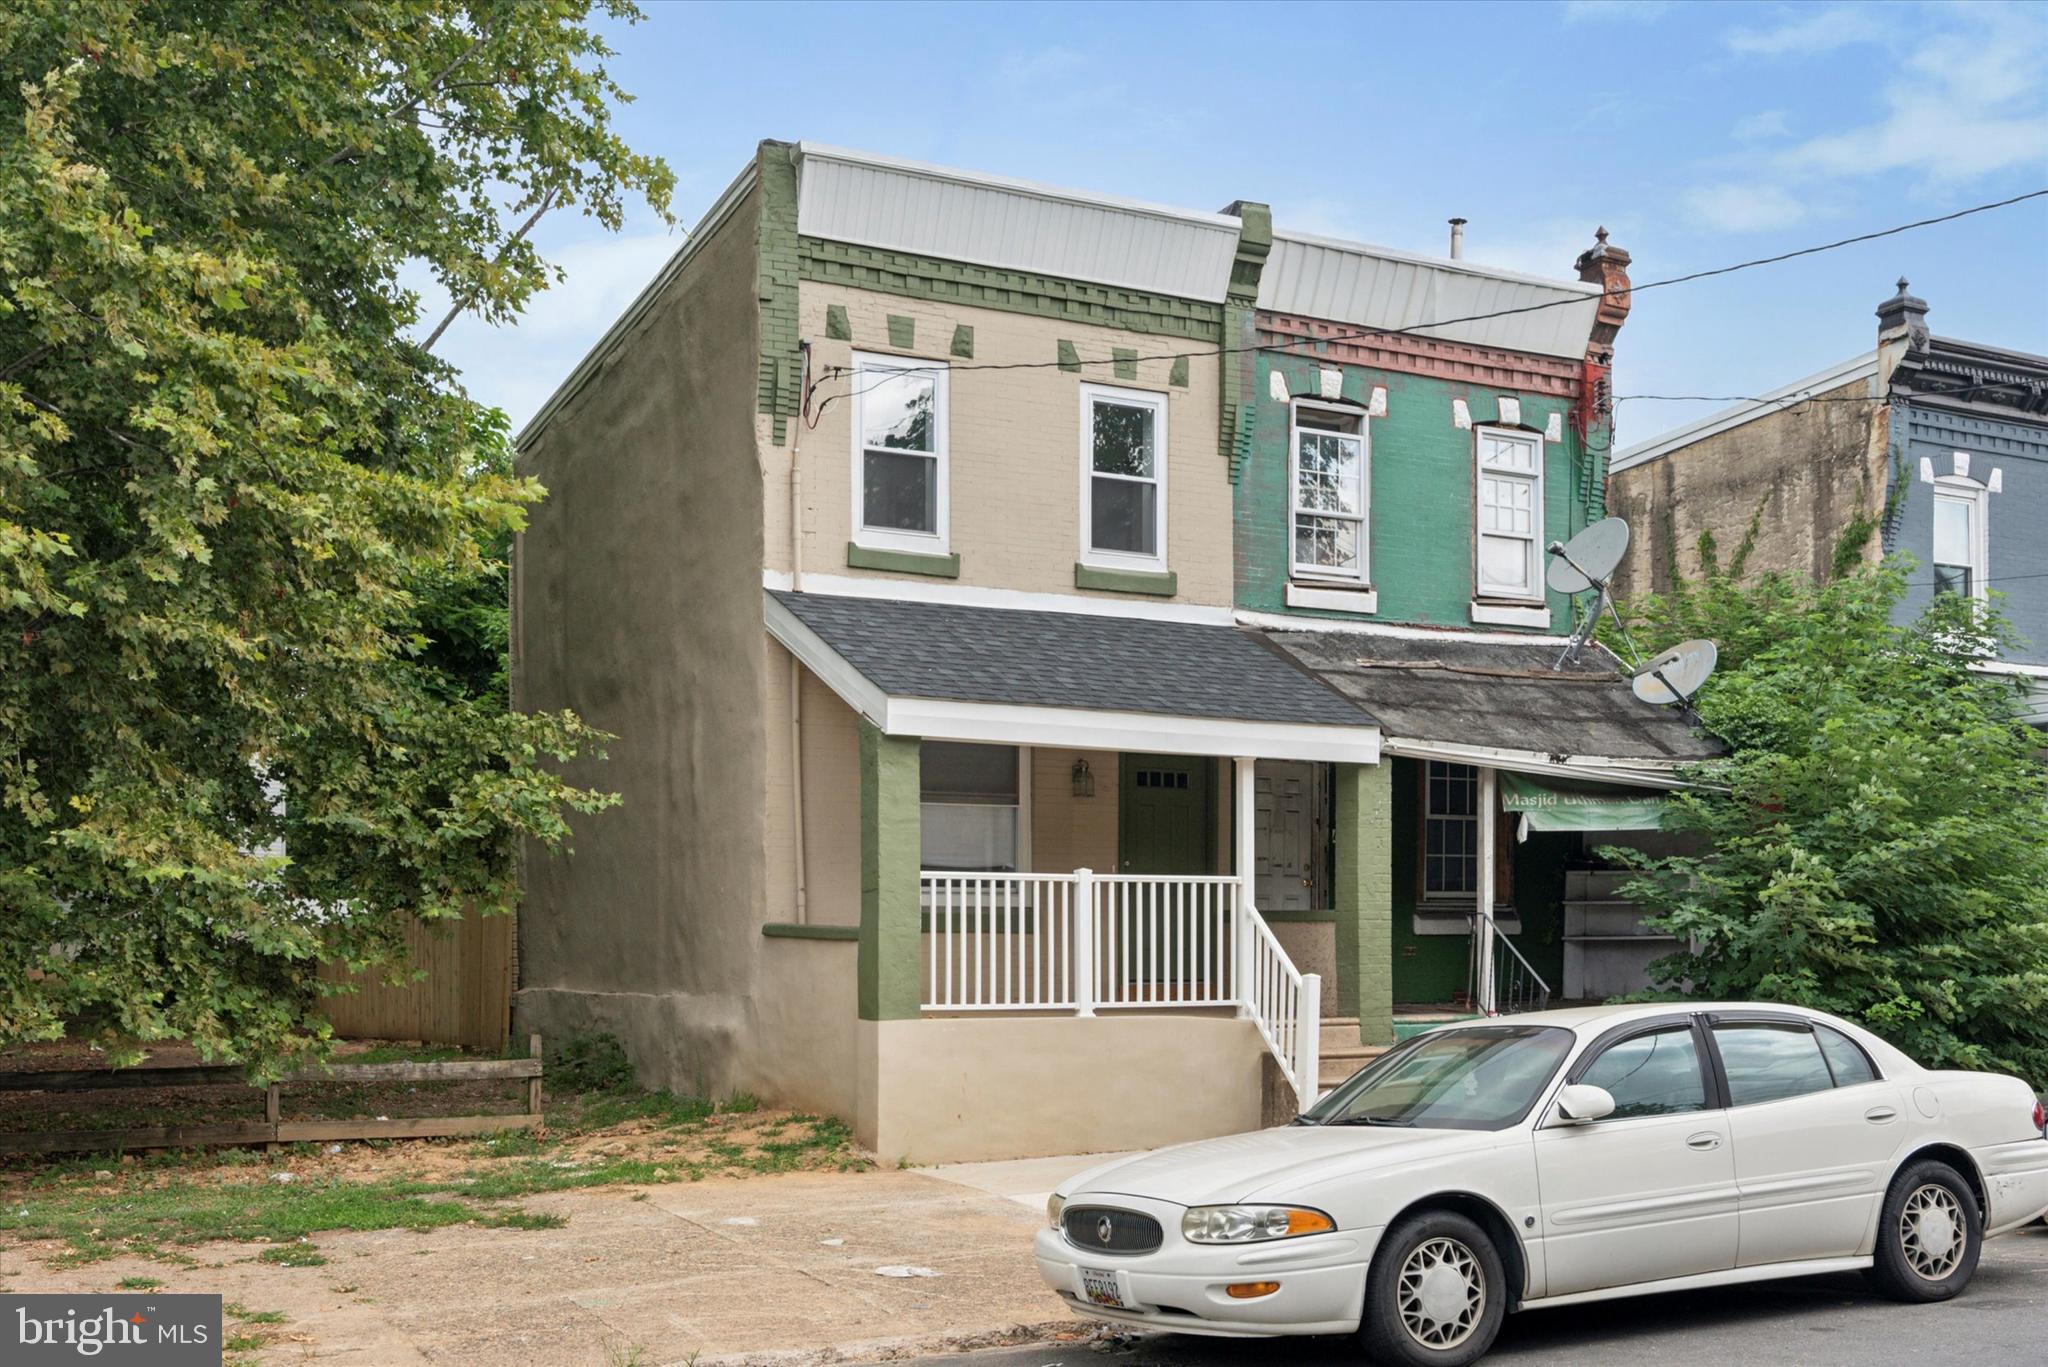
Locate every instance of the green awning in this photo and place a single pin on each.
(1562, 804)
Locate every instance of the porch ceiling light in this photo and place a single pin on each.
(1084, 779)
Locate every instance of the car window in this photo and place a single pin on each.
(1484, 1077)
(1766, 1061)
(1651, 1074)
(1850, 1064)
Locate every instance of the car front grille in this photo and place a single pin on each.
(1105, 1229)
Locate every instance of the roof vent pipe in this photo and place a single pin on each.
(1457, 239)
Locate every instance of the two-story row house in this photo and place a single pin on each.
(1930, 447)
(1075, 664)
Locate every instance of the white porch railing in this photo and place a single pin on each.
(1082, 942)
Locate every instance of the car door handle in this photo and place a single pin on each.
(1878, 1115)
(1704, 1142)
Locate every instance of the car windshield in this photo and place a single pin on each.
(1484, 1077)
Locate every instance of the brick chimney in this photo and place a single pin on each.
(1606, 266)
(1903, 317)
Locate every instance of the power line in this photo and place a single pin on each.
(1412, 330)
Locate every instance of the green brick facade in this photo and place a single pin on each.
(1422, 503)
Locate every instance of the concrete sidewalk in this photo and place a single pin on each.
(797, 1269)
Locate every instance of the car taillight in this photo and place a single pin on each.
(2041, 1119)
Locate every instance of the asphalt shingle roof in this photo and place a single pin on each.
(1500, 694)
(1067, 659)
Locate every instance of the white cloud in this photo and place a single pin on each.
(1614, 11)
(1041, 65)
(1814, 31)
(1765, 123)
(1745, 207)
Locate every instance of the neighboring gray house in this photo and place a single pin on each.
(1950, 436)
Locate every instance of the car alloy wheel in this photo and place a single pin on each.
(1442, 1293)
(1932, 1232)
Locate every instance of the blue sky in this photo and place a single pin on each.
(1699, 134)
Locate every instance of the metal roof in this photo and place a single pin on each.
(1068, 659)
(1378, 287)
(984, 220)
(1500, 695)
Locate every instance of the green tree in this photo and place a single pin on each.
(1876, 845)
(245, 519)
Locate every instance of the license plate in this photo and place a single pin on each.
(1100, 1287)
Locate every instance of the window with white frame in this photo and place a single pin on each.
(1123, 478)
(1960, 546)
(972, 813)
(1331, 480)
(1510, 480)
(899, 453)
(1450, 831)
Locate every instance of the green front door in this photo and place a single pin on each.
(1164, 820)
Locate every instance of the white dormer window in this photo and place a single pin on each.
(1961, 549)
(1510, 541)
(1123, 478)
(1331, 477)
(899, 454)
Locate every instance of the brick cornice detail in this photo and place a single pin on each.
(1442, 360)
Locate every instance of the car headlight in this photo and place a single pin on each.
(1054, 1204)
(1251, 1224)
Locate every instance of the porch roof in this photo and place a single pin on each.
(961, 672)
(1501, 703)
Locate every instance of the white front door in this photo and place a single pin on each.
(1649, 1192)
(1288, 809)
(1816, 1137)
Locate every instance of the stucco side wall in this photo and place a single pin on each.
(1803, 474)
(638, 604)
(1014, 441)
(831, 765)
(1063, 1085)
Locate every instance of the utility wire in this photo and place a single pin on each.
(1412, 330)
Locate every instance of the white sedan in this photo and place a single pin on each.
(1554, 1158)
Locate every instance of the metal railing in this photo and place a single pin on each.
(1084, 942)
(1499, 981)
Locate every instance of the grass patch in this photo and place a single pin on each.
(526, 1219)
(236, 1310)
(293, 1255)
(138, 1283)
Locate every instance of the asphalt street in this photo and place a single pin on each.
(1816, 1322)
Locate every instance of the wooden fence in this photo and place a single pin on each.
(273, 1129)
(464, 999)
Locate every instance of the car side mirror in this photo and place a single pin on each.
(1582, 1102)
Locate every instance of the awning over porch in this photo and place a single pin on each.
(1501, 705)
(1563, 804)
(948, 671)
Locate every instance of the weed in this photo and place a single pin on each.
(138, 1283)
(525, 1219)
(592, 1063)
(237, 1310)
(293, 1255)
(741, 1103)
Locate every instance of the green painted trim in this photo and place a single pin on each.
(836, 325)
(1364, 837)
(1124, 360)
(963, 341)
(1070, 357)
(1043, 296)
(790, 930)
(1162, 584)
(902, 331)
(903, 562)
(776, 287)
(1178, 376)
(890, 838)
(1301, 918)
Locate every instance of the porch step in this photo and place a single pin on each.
(1594, 884)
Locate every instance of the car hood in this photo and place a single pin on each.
(1269, 1164)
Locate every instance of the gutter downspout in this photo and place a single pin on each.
(796, 669)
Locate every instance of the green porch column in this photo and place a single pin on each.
(889, 849)
(1365, 898)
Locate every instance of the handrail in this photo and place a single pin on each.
(1502, 985)
(1284, 1003)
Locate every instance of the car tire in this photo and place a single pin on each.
(1436, 1293)
(1929, 1235)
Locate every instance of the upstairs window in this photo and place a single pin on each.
(1510, 480)
(1959, 543)
(1123, 478)
(1331, 483)
(899, 433)
(972, 807)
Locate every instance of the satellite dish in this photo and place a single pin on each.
(1587, 559)
(1677, 674)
